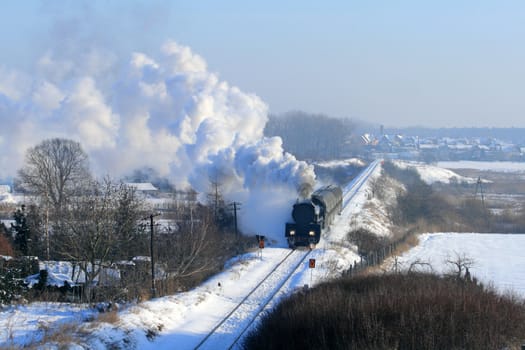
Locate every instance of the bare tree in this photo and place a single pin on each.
(98, 226)
(461, 263)
(193, 243)
(420, 264)
(54, 170)
(221, 213)
(194, 249)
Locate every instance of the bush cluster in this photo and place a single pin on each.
(427, 209)
(366, 241)
(395, 311)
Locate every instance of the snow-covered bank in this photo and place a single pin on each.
(22, 325)
(431, 173)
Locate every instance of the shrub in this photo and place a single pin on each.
(366, 241)
(412, 311)
(11, 286)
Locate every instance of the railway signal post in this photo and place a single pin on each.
(311, 265)
(260, 240)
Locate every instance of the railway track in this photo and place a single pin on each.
(355, 185)
(227, 332)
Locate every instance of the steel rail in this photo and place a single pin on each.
(350, 191)
(355, 185)
(263, 306)
(225, 318)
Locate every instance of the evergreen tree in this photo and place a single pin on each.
(22, 232)
(11, 286)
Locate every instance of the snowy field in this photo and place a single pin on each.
(498, 259)
(488, 166)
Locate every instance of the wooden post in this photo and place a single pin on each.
(153, 291)
(151, 256)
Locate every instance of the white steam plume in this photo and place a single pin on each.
(168, 113)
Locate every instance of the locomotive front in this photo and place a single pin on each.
(306, 229)
(312, 215)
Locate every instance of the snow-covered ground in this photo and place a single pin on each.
(26, 324)
(497, 259)
(182, 320)
(185, 318)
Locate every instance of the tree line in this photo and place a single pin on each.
(312, 136)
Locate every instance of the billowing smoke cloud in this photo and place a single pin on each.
(166, 112)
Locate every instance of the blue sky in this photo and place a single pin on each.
(398, 63)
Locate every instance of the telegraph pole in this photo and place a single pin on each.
(153, 290)
(47, 228)
(480, 185)
(236, 206)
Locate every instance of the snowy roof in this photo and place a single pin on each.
(60, 272)
(142, 186)
(53, 279)
(366, 138)
(7, 222)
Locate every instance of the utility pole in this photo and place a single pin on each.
(47, 226)
(153, 290)
(479, 184)
(236, 206)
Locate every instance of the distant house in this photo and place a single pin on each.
(143, 187)
(366, 139)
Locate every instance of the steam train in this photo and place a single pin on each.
(313, 215)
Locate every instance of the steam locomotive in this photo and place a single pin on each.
(313, 215)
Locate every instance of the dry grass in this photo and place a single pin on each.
(111, 317)
(393, 311)
(408, 243)
(62, 336)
